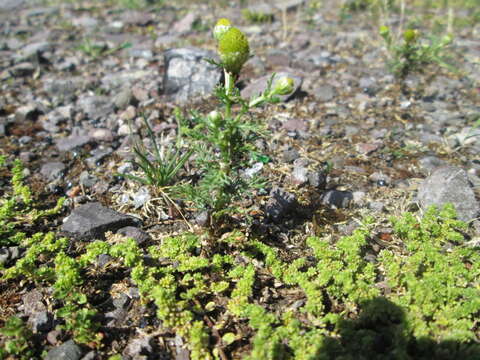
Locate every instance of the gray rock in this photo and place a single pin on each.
(325, 93)
(91, 355)
(300, 172)
(380, 178)
(4, 255)
(317, 178)
(116, 318)
(114, 80)
(2, 127)
(52, 170)
(337, 199)
(449, 184)
(29, 112)
(202, 218)
(87, 180)
(135, 233)
(101, 134)
(141, 345)
(290, 155)
(9, 5)
(280, 204)
(430, 163)
(32, 302)
(67, 351)
(33, 51)
(98, 155)
(71, 142)
(288, 5)
(259, 86)
(376, 206)
(59, 115)
(95, 107)
(92, 220)
(185, 24)
(22, 69)
(9, 254)
(62, 89)
(122, 302)
(123, 98)
(85, 21)
(187, 74)
(41, 321)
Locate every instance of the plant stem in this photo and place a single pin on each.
(228, 91)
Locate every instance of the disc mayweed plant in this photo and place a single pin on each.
(223, 140)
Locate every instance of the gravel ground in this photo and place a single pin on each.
(77, 78)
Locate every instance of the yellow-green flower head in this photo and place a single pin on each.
(283, 86)
(222, 26)
(233, 50)
(410, 35)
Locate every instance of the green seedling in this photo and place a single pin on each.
(161, 166)
(17, 208)
(15, 341)
(411, 54)
(256, 17)
(96, 51)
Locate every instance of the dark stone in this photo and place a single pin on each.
(280, 204)
(135, 233)
(92, 220)
(337, 199)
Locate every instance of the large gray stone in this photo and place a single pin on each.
(449, 184)
(67, 351)
(92, 220)
(188, 75)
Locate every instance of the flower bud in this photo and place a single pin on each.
(384, 31)
(233, 50)
(215, 118)
(283, 86)
(410, 36)
(222, 26)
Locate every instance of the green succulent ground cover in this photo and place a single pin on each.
(418, 298)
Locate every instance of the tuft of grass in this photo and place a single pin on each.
(160, 167)
(95, 51)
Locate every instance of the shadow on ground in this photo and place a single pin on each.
(382, 332)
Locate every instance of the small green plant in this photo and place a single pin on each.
(256, 17)
(223, 140)
(413, 54)
(17, 208)
(161, 166)
(15, 339)
(96, 51)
